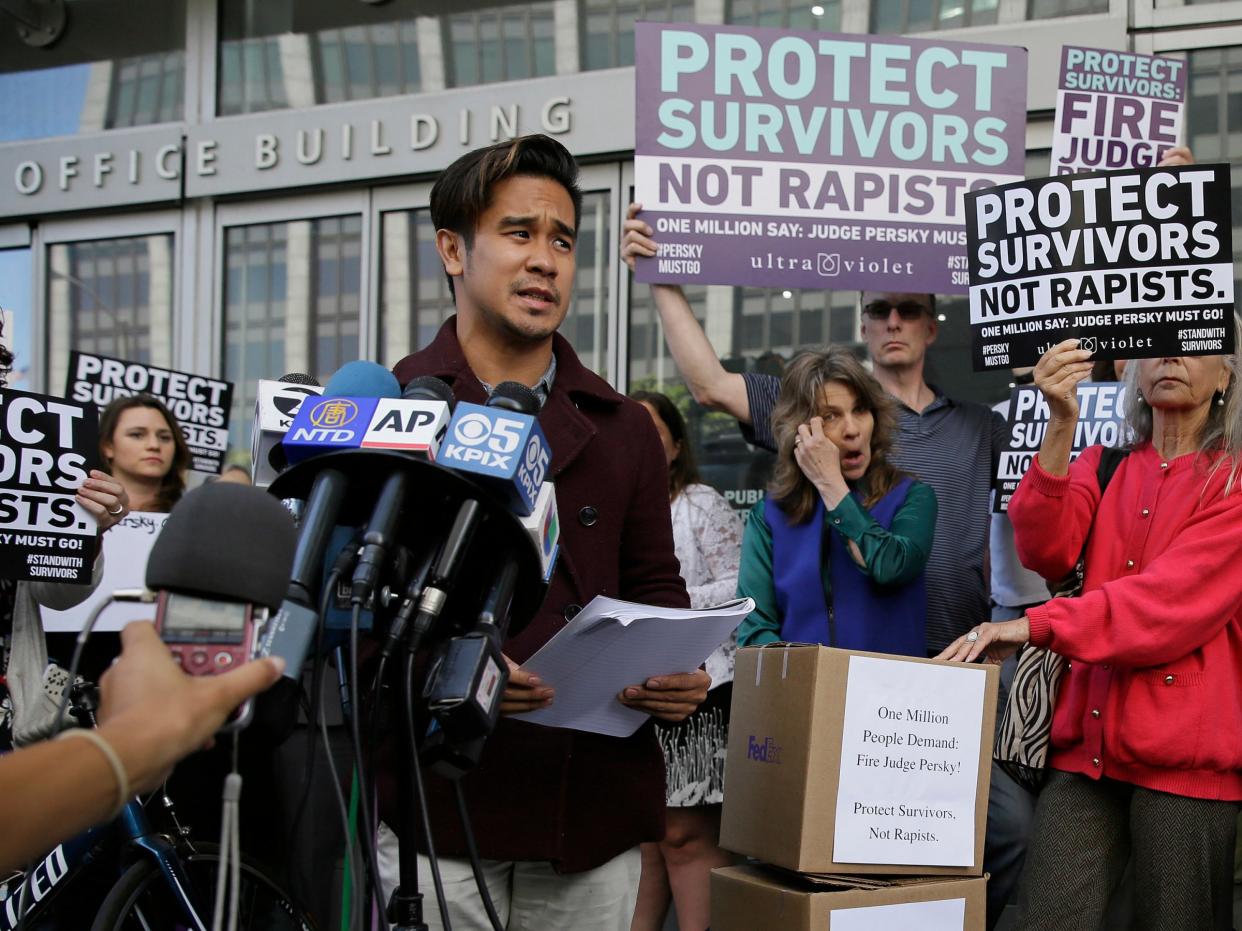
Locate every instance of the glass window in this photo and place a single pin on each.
(414, 295)
(790, 14)
(1214, 123)
(501, 44)
(291, 304)
(17, 314)
(110, 296)
(279, 53)
(1049, 9)
(608, 27)
(119, 63)
(897, 17)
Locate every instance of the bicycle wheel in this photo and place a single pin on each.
(142, 901)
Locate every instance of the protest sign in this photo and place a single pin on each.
(1136, 264)
(909, 761)
(47, 447)
(200, 404)
(1101, 422)
(1116, 109)
(126, 548)
(771, 158)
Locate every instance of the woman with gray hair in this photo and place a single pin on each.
(1146, 756)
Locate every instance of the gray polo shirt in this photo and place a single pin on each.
(953, 446)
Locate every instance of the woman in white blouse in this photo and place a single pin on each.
(707, 536)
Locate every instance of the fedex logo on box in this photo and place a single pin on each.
(328, 424)
(496, 444)
(765, 751)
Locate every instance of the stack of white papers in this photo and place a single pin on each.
(612, 644)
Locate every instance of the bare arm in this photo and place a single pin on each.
(151, 714)
(709, 383)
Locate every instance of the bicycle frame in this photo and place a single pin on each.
(59, 868)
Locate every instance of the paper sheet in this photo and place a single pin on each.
(611, 644)
(942, 915)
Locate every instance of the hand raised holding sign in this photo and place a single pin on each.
(105, 498)
(1057, 375)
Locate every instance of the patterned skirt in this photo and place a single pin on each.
(694, 752)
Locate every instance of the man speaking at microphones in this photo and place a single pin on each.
(558, 814)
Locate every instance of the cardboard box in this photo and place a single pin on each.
(745, 898)
(859, 763)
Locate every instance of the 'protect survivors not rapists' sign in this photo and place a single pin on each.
(1136, 264)
(47, 447)
(1101, 422)
(200, 404)
(1116, 110)
(771, 158)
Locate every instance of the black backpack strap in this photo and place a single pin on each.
(1110, 458)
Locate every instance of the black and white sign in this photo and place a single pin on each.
(1101, 422)
(200, 404)
(1135, 263)
(47, 447)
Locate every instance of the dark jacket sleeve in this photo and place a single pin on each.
(650, 572)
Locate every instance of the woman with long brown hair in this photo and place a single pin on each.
(835, 553)
(141, 442)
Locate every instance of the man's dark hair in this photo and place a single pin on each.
(463, 192)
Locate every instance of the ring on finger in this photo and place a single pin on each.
(119, 509)
(972, 636)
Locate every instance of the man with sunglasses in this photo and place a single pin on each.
(951, 445)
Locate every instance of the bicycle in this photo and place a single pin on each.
(166, 879)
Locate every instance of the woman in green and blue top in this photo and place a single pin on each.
(835, 553)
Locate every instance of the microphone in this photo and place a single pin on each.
(543, 526)
(292, 630)
(276, 404)
(436, 401)
(221, 563)
(501, 445)
(340, 418)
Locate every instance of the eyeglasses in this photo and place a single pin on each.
(908, 310)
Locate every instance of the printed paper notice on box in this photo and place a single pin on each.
(944, 915)
(909, 763)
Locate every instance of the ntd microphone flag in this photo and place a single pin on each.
(507, 450)
(327, 424)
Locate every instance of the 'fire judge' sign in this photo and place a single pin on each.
(47, 447)
(1137, 264)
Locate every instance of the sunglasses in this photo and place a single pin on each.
(908, 310)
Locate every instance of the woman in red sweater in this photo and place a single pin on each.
(1146, 753)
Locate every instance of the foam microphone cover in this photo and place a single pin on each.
(516, 397)
(362, 379)
(227, 542)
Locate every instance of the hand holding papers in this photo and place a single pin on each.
(613, 644)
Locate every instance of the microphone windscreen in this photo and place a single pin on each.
(429, 388)
(362, 379)
(225, 541)
(298, 378)
(516, 397)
